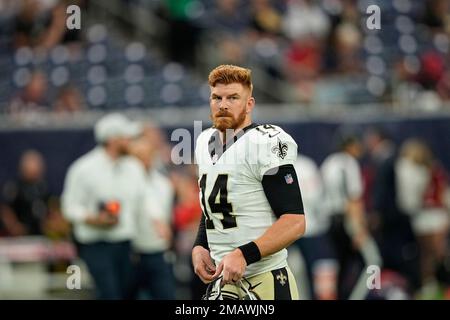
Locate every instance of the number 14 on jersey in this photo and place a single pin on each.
(222, 206)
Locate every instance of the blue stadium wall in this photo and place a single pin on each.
(315, 138)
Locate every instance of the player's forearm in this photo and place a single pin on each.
(355, 214)
(287, 229)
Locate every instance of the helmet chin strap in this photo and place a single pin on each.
(248, 294)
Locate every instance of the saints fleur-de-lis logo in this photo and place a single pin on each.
(280, 149)
(281, 278)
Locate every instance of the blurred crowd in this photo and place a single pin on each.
(322, 52)
(316, 53)
(133, 216)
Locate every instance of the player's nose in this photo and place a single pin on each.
(224, 104)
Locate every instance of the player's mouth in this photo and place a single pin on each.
(223, 115)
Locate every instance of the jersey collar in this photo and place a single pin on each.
(215, 146)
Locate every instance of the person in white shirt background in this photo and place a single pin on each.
(348, 231)
(153, 238)
(315, 247)
(104, 190)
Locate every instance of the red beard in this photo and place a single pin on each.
(224, 120)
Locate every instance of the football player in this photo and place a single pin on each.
(251, 200)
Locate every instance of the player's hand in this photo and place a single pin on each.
(204, 267)
(233, 266)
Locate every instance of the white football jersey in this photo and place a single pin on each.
(231, 193)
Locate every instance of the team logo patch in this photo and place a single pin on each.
(280, 149)
(281, 278)
(288, 178)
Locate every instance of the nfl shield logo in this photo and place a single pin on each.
(288, 178)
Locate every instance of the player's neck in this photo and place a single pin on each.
(229, 133)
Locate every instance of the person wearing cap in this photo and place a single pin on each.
(103, 193)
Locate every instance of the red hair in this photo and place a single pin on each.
(227, 74)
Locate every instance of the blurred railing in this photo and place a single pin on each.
(185, 116)
(35, 249)
(26, 265)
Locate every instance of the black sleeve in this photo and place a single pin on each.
(202, 239)
(282, 190)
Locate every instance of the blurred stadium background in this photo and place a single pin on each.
(318, 71)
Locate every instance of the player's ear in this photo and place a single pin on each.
(250, 104)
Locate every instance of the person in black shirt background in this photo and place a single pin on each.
(26, 198)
